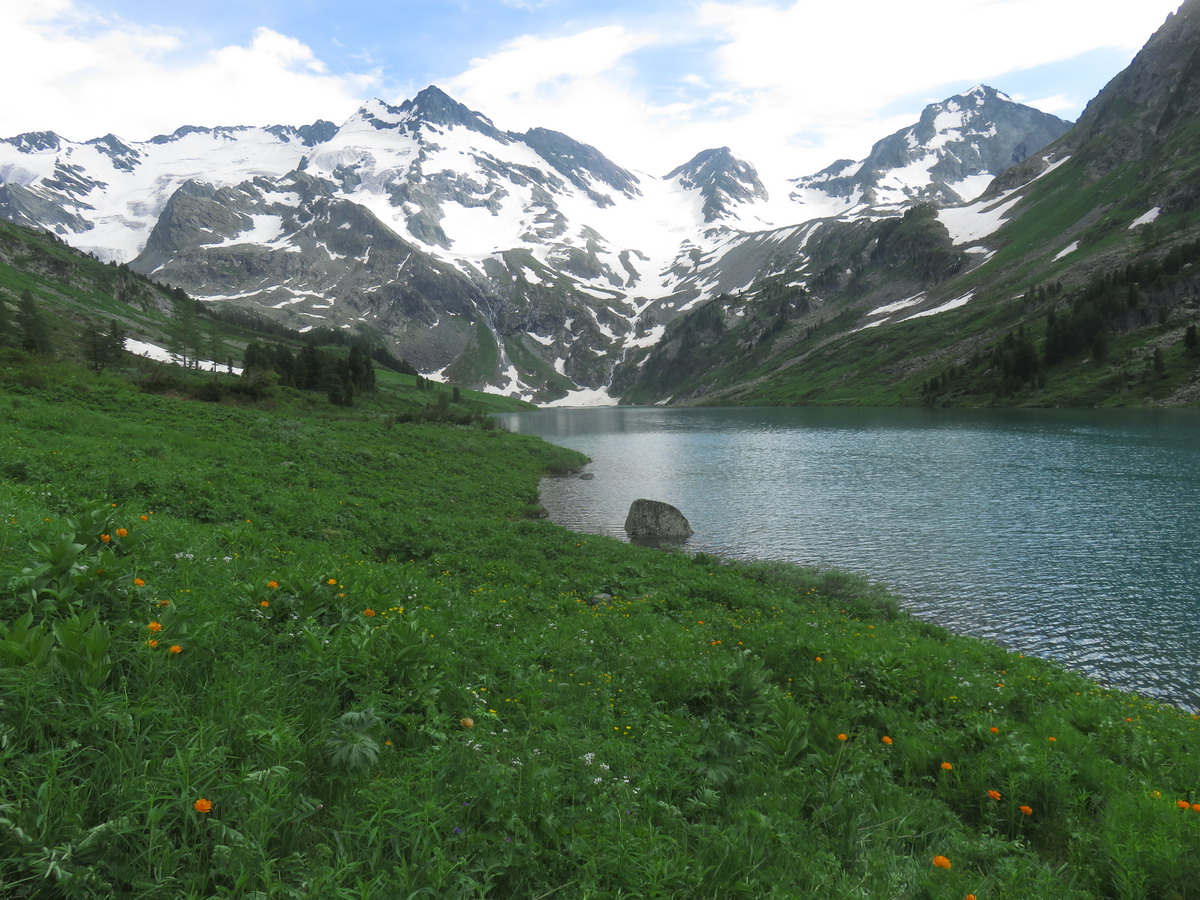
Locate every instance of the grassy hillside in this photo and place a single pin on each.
(317, 652)
(75, 299)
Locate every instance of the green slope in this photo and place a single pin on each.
(390, 681)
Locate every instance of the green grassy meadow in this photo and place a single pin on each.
(314, 652)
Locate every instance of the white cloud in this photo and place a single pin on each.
(790, 86)
(97, 75)
(831, 68)
(1053, 104)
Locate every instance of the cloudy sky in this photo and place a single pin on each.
(790, 85)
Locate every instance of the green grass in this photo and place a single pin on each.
(392, 682)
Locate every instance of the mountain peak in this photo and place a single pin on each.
(721, 178)
(433, 106)
(33, 141)
(580, 162)
(980, 94)
(949, 155)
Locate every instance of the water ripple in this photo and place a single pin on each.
(1069, 534)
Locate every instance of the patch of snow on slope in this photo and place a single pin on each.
(977, 220)
(890, 308)
(1146, 218)
(544, 341)
(584, 397)
(981, 218)
(155, 352)
(264, 229)
(512, 387)
(648, 340)
(1067, 250)
(972, 186)
(945, 307)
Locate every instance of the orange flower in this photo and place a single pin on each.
(368, 612)
(272, 584)
(1182, 804)
(202, 806)
(139, 582)
(175, 648)
(995, 795)
(947, 766)
(331, 581)
(164, 602)
(941, 862)
(152, 643)
(969, 897)
(265, 603)
(995, 730)
(818, 659)
(887, 740)
(1028, 810)
(1196, 807)
(122, 532)
(155, 627)
(1053, 740)
(145, 518)
(106, 538)
(843, 737)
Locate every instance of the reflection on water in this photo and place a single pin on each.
(1072, 534)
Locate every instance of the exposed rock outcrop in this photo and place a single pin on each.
(655, 519)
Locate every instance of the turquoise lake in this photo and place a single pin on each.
(1071, 534)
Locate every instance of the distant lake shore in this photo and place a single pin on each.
(1071, 534)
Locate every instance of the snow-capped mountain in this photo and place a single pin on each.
(530, 263)
(949, 156)
(722, 180)
(105, 195)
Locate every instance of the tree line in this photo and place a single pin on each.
(1079, 324)
(339, 376)
(26, 328)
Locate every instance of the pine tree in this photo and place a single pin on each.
(1191, 341)
(184, 339)
(34, 332)
(8, 336)
(311, 368)
(102, 345)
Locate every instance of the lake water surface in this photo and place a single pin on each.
(1069, 534)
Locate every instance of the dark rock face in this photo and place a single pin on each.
(655, 519)
(722, 179)
(577, 162)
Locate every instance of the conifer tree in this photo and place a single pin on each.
(34, 332)
(102, 345)
(8, 337)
